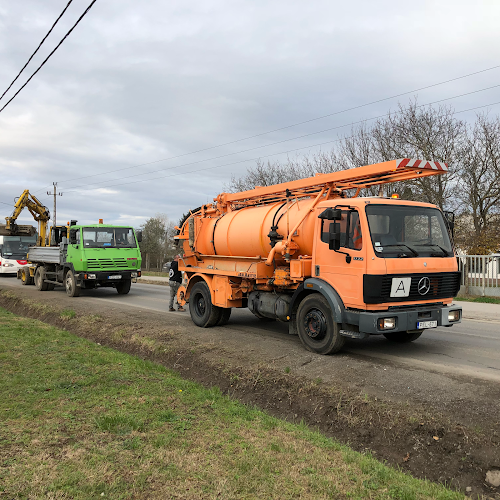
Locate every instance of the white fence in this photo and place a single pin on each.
(480, 274)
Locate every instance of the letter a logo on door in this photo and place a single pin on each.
(400, 287)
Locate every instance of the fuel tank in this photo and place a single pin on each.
(245, 232)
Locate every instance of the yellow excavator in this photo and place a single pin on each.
(39, 212)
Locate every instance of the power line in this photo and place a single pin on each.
(32, 55)
(258, 157)
(284, 140)
(287, 126)
(49, 56)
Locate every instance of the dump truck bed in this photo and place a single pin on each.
(47, 255)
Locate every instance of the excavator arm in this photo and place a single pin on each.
(39, 212)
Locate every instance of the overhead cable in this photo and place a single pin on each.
(256, 158)
(287, 126)
(49, 56)
(284, 140)
(40, 44)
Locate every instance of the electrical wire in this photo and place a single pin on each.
(255, 159)
(287, 126)
(278, 142)
(37, 49)
(49, 56)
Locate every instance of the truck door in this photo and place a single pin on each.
(343, 269)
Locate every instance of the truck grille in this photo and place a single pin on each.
(377, 289)
(93, 264)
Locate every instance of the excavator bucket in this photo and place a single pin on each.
(17, 230)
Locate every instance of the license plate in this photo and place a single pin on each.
(115, 277)
(426, 324)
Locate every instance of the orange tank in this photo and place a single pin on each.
(245, 232)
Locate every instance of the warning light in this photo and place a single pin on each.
(101, 221)
(395, 196)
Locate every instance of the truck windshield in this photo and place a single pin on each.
(406, 231)
(16, 247)
(108, 237)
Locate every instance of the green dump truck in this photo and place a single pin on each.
(83, 257)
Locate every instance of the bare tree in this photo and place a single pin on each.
(157, 241)
(479, 185)
(267, 174)
(471, 187)
(426, 133)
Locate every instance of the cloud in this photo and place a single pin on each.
(140, 82)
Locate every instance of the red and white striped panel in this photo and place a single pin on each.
(432, 165)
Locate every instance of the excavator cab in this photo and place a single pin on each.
(57, 233)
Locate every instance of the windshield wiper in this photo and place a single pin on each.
(412, 250)
(445, 252)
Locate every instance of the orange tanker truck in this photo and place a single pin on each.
(332, 264)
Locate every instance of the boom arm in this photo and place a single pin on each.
(39, 212)
(356, 178)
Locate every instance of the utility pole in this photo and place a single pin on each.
(55, 193)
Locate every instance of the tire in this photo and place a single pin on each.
(123, 287)
(70, 283)
(202, 311)
(39, 279)
(225, 315)
(26, 279)
(317, 330)
(403, 337)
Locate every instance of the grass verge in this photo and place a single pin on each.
(80, 420)
(484, 300)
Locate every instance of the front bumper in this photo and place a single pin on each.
(406, 318)
(106, 278)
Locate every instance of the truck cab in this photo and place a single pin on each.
(387, 265)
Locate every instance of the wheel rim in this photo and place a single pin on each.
(68, 284)
(315, 324)
(200, 305)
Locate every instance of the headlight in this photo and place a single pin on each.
(134, 275)
(91, 276)
(387, 323)
(454, 316)
(8, 264)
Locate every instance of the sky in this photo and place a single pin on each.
(151, 107)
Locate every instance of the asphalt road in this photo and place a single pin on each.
(471, 348)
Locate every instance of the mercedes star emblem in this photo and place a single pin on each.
(424, 285)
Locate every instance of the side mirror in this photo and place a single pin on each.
(331, 214)
(72, 236)
(138, 235)
(334, 236)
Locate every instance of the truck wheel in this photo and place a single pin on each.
(123, 287)
(403, 337)
(203, 312)
(317, 330)
(70, 282)
(39, 279)
(225, 315)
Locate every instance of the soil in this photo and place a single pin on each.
(446, 433)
